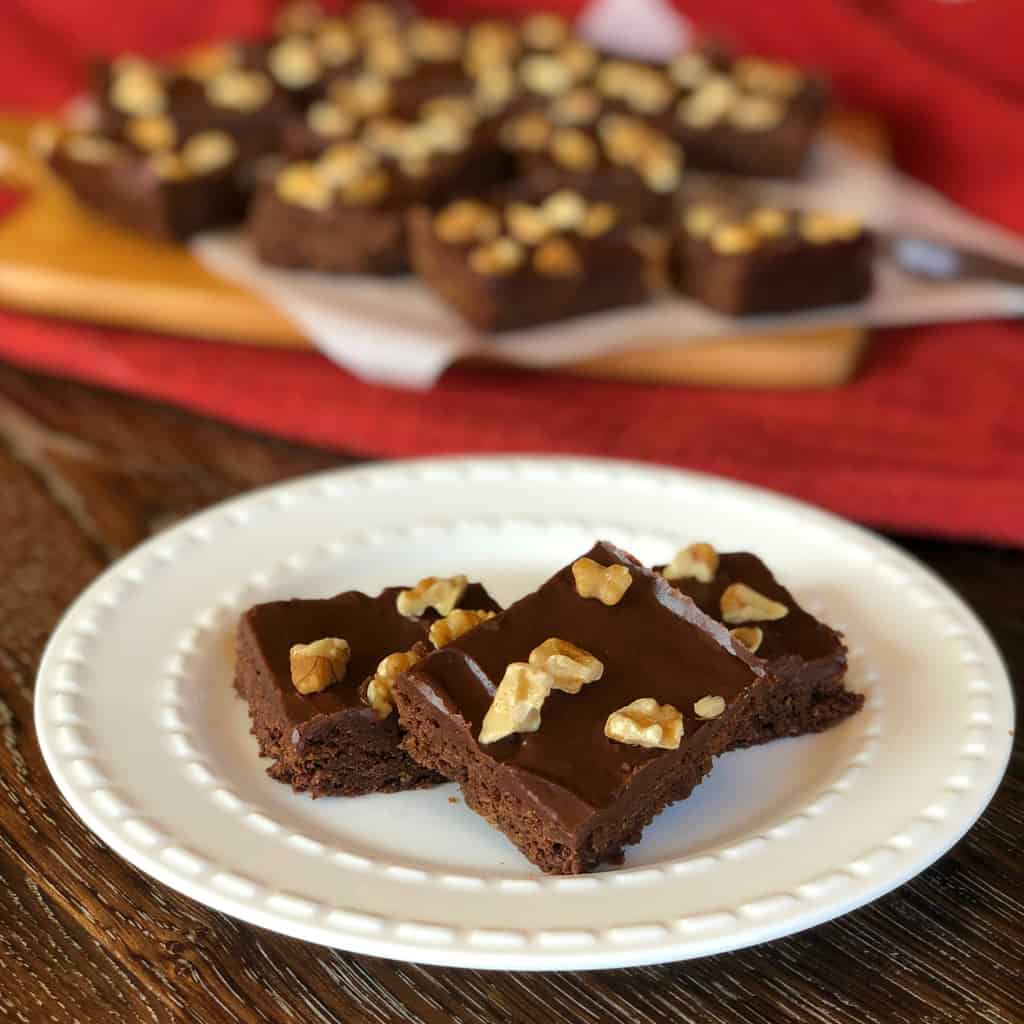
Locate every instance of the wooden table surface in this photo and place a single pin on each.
(84, 475)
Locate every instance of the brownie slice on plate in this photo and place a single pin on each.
(317, 676)
(575, 716)
(806, 656)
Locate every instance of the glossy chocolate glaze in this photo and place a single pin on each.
(653, 643)
(799, 633)
(373, 627)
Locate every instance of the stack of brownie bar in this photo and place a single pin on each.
(345, 142)
(570, 719)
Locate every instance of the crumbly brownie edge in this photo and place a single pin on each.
(344, 766)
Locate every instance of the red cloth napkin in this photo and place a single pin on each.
(927, 439)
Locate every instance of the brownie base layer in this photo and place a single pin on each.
(797, 706)
(354, 758)
(343, 241)
(489, 788)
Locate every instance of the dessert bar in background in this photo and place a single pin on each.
(806, 657)
(170, 194)
(316, 675)
(339, 134)
(514, 264)
(578, 714)
(740, 257)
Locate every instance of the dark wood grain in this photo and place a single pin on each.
(84, 475)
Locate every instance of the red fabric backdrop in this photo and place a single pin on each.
(928, 438)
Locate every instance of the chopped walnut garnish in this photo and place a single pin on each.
(335, 44)
(367, 189)
(454, 624)
(239, 90)
(701, 218)
(208, 151)
(152, 133)
(442, 593)
(564, 209)
(330, 120)
(318, 665)
(750, 636)
(697, 562)
(599, 219)
(768, 221)
(138, 91)
(767, 76)
(741, 603)
(574, 150)
(557, 258)
(297, 16)
(709, 103)
(709, 707)
(822, 228)
(756, 113)
(517, 702)
(210, 61)
(386, 55)
(343, 162)
(529, 131)
(731, 239)
(661, 169)
(578, 57)
(493, 259)
(495, 87)
(527, 223)
(546, 75)
(606, 583)
(646, 723)
(168, 166)
(689, 70)
(432, 40)
(303, 185)
(294, 63)
(379, 690)
(649, 91)
(569, 666)
(579, 106)
(465, 221)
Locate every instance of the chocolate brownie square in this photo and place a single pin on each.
(580, 712)
(744, 115)
(346, 211)
(806, 656)
(170, 193)
(740, 258)
(342, 739)
(510, 264)
(576, 143)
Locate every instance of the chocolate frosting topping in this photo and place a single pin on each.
(373, 628)
(653, 643)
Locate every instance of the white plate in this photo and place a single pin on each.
(144, 736)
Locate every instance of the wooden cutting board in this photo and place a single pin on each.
(59, 259)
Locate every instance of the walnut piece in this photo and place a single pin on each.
(367, 189)
(646, 723)
(756, 113)
(465, 221)
(335, 44)
(766, 76)
(318, 665)
(208, 151)
(823, 228)
(606, 583)
(527, 223)
(330, 120)
(454, 624)
(303, 185)
(517, 702)
(731, 239)
(749, 636)
(545, 75)
(442, 593)
(239, 90)
(432, 40)
(544, 31)
(768, 221)
(557, 258)
(153, 133)
(599, 219)
(570, 667)
(701, 219)
(138, 91)
(689, 70)
(294, 63)
(492, 259)
(379, 688)
(697, 562)
(565, 210)
(91, 149)
(574, 150)
(709, 707)
(741, 603)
